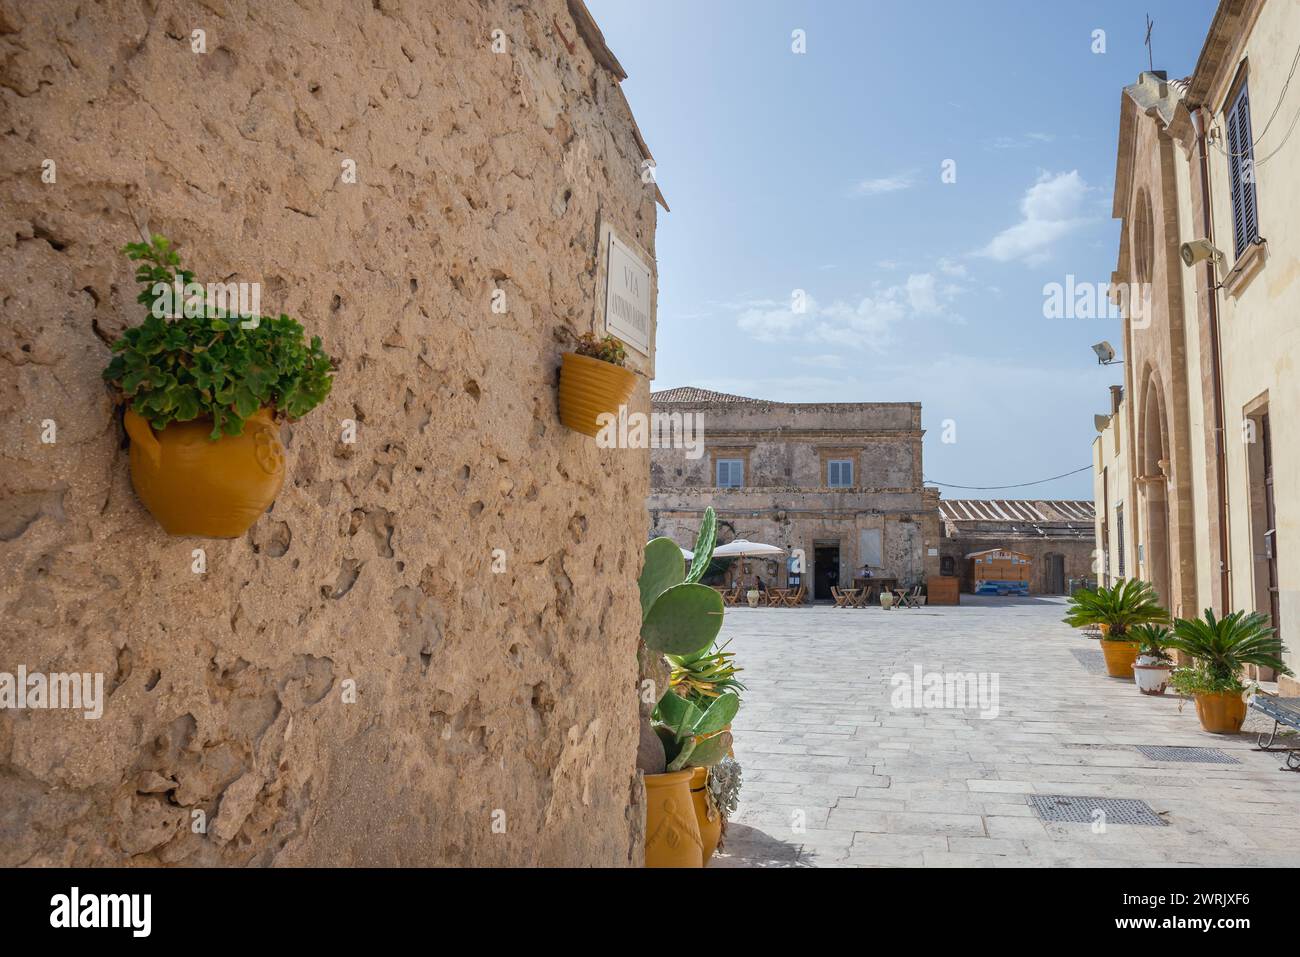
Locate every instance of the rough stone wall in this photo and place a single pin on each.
(475, 692)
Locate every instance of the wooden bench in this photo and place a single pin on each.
(1283, 711)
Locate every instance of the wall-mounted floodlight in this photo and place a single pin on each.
(1105, 353)
(1199, 250)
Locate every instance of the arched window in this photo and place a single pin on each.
(1143, 237)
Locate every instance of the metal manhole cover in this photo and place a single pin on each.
(1206, 755)
(1082, 810)
(1091, 659)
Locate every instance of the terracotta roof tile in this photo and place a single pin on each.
(691, 394)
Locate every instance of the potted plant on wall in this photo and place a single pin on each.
(1220, 649)
(1116, 610)
(1153, 665)
(593, 381)
(203, 388)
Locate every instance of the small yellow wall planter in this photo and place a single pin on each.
(710, 827)
(672, 834)
(1221, 712)
(589, 387)
(1119, 656)
(198, 487)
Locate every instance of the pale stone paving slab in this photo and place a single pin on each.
(835, 776)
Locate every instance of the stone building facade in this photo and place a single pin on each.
(1197, 476)
(841, 481)
(491, 142)
(1058, 536)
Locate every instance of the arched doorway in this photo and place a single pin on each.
(1153, 479)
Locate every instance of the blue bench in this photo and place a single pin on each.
(1283, 711)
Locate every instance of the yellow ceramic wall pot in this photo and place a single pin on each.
(672, 834)
(589, 387)
(706, 815)
(195, 486)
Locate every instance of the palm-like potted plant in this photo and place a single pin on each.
(1154, 663)
(204, 389)
(594, 382)
(1220, 649)
(1116, 610)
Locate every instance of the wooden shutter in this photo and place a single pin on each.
(1241, 156)
(1250, 213)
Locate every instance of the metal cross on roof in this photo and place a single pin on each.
(1150, 60)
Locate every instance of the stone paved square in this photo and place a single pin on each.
(835, 776)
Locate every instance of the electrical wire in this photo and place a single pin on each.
(993, 488)
(1281, 97)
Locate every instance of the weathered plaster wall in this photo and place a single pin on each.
(475, 691)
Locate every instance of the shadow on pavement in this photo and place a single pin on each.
(749, 847)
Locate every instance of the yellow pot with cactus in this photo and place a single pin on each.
(672, 831)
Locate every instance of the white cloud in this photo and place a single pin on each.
(1019, 142)
(883, 184)
(868, 322)
(950, 268)
(1049, 210)
(826, 361)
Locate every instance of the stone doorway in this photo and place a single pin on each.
(826, 569)
(1054, 570)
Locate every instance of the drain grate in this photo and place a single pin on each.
(1091, 659)
(1081, 810)
(1157, 752)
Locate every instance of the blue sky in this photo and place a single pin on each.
(821, 172)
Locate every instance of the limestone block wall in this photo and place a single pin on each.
(489, 724)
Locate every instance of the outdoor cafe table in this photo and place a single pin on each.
(777, 595)
(875, 584)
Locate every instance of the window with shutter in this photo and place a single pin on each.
(731, 473)
(840, 473)
(1241, 173)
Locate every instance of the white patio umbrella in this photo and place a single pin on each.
(744, 549)
(687, 553)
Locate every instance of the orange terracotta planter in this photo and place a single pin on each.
(710, 828)
(589, 387)
(672, 834)
(194, 486)
(1120, 656)
(1221, 712)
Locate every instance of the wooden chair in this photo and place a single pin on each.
(910, 599)
(795, 598)
(841, 601)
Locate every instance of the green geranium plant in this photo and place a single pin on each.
(194, 357)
